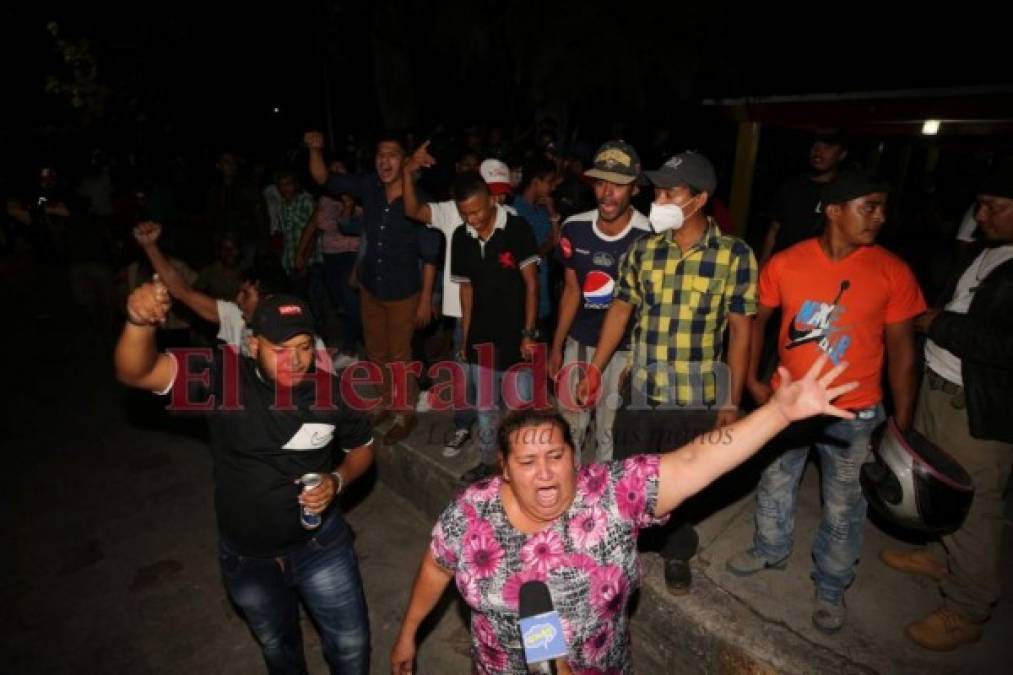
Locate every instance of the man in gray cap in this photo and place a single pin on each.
(963, 407)
(682, 287)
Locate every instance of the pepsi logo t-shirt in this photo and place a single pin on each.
(594, 257)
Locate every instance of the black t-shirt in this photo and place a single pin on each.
(259, 451)
(493, 268)
(797, 208)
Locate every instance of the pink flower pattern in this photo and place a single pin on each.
(592, 483)
(629, 495)
(588, 528)
(581, 561)
(608, 591)
(487, 643)
(467, 584)
(486, 490)
(439, 545)
(643, 465)
(512, 588)
(587, 558)
(481, 555)
(543, 552)
(596, 646)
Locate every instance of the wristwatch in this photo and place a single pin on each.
(531, 333)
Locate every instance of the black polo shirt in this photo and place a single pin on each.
(493, 268)
(259, 450)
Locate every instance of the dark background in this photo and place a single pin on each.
(210, 74)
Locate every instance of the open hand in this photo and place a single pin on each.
(421, 159)
(812, 395)
(402, 657)
(424, 313)
(589, 387)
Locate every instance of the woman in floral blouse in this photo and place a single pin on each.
(575, 529)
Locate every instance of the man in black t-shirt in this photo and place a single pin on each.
(273, 417)
(494, 259)
(795, 211)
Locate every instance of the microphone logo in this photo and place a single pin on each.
(539, 636)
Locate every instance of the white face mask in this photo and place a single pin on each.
(666, 217)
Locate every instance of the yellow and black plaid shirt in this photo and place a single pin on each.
(681, 304)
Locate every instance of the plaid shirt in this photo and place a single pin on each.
(682, 302)
(292, 219)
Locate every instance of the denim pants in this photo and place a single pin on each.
(843, 446)
(324, 574)
(463, 417)
(490, 386)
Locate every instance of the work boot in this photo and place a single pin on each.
(944, 630)
(748, 563)
(678, 576)
(403, 425)
(918, 561)
(829, 616)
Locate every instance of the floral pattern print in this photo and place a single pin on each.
(587, 557)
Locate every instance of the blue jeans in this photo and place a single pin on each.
(464, 417)
(325, 575)
(843, 446)
(488, 411)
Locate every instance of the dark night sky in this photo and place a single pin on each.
(212, 74)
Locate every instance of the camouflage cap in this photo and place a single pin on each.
(616, 162)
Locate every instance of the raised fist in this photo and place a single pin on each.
(314, 140)
(149, 304)
(147, 233)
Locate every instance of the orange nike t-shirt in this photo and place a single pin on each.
(839, 308)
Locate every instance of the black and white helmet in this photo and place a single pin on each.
(915, 483)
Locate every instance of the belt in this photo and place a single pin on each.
(939, 383)
(865, 413)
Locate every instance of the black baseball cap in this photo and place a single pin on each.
(280, 317)
(687, 168)
(852, 184)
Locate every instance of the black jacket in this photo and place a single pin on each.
(983, 341)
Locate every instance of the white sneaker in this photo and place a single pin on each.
(455, 442)
(423, 405)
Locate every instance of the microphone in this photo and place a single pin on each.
(541, 630)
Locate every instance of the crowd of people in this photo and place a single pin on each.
(607, 359)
